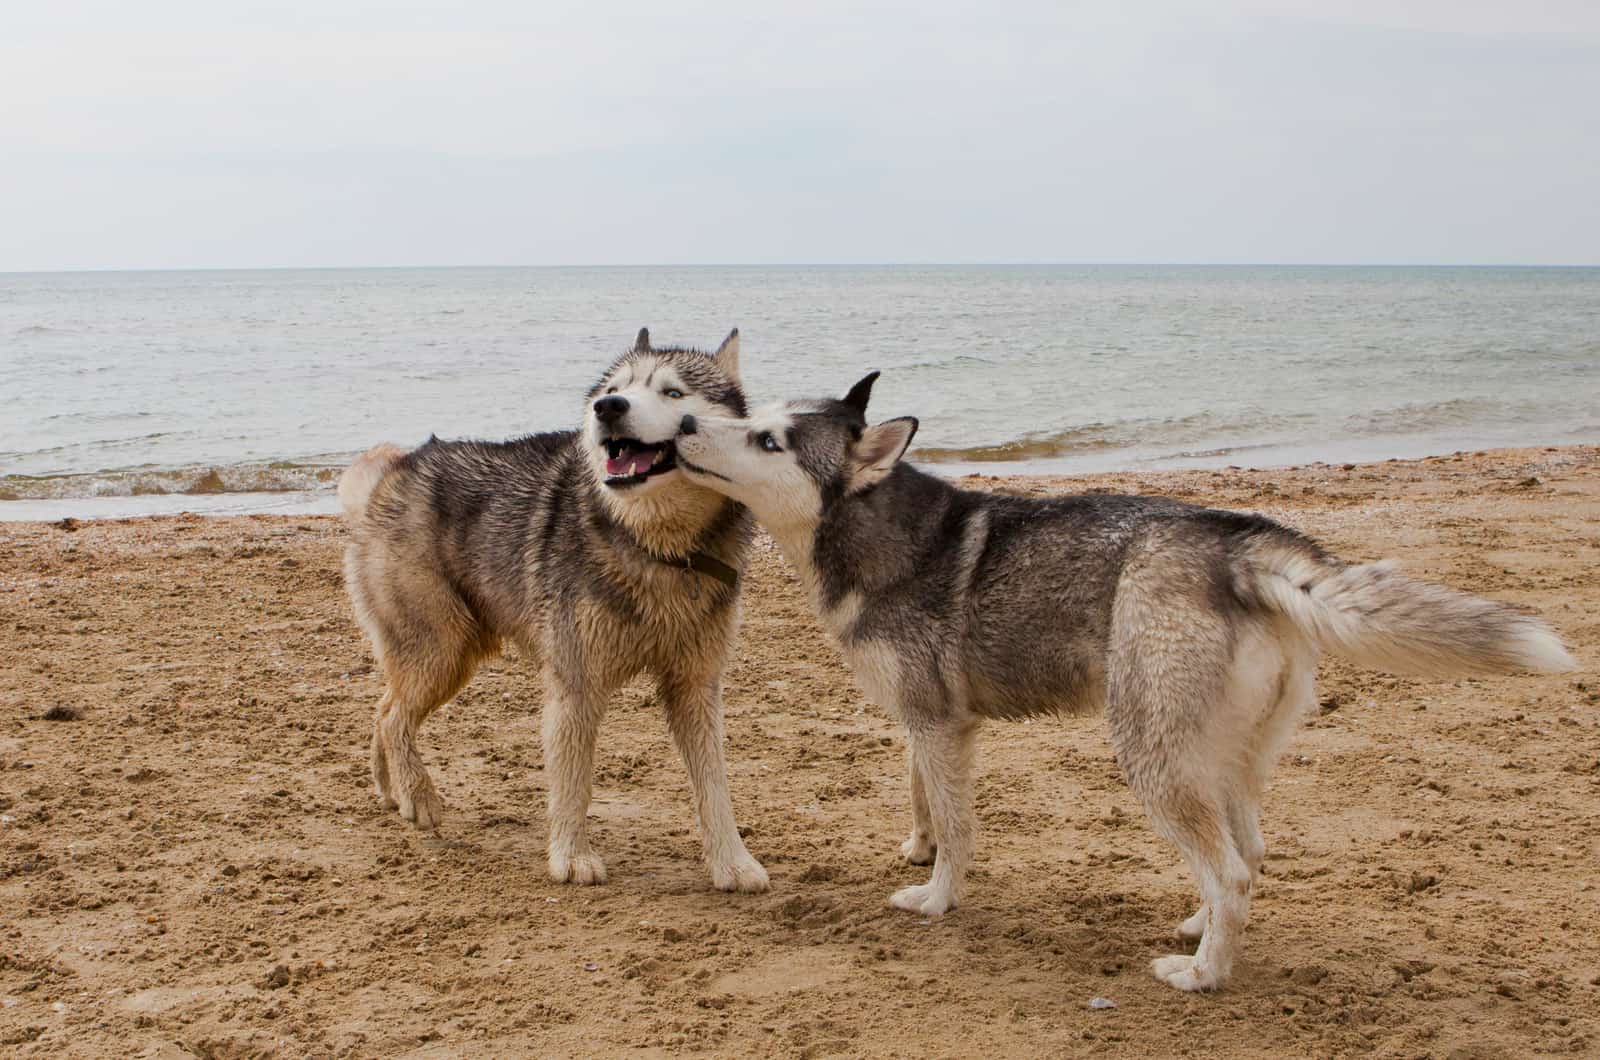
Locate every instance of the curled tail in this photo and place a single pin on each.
(363, 476)
(1374, 616)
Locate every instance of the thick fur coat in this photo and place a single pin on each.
(1197, 630)
(575, 548)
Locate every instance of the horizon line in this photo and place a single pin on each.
(821, 265)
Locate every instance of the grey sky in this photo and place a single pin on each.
(182, 133)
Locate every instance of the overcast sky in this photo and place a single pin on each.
(179, 133)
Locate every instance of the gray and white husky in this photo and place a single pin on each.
(1198, 631)
(587, 550)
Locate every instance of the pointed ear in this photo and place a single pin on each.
(642, 343)
(857, 398)
(727, 355)
(881, 446)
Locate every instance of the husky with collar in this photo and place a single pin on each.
(1197, 630)
(588, 550)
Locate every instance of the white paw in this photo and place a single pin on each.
(421, 805)
(581, 868)
(743, 874)
(1195, 926)
(923, 898)
(919, 848)
(1184, 973)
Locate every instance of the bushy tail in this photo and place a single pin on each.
(363, 476)
(1374, 616)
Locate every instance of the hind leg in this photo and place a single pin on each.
(426, 645)
(1186, 687)
(415, 691)
(1242, 815)
(1195, 820)
(1294, 701)
(381, 782)
(919, 848)
(1191, 929)
(1244, 830)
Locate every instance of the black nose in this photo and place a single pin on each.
(610, 409)
(687, 425)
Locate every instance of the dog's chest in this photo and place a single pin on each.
(682, 610)
(873, 660)
(878, 670)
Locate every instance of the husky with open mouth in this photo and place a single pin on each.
(1197, 630)
(588, 550)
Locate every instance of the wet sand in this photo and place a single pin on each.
(191, 861)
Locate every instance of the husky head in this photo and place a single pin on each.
(789, 463)
(635, 409)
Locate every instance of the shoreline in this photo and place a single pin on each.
(324, 501)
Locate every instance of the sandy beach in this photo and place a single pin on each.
(192, 863)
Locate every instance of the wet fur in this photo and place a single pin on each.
(1197, 630)
(461, 548)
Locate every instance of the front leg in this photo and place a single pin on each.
(919, 847)
(694, 715)
(943, 752)
(571, 722)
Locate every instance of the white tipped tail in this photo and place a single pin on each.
(1377, 617)
(364, 474)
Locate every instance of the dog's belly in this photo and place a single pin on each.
(1027, 654)
(1039, 666)
(1032, 690)
(994, 677)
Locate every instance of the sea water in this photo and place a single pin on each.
(229, 391)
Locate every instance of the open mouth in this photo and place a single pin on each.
(630, 461)
(695, 469)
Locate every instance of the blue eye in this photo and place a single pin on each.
(673, 392)
(768, 443)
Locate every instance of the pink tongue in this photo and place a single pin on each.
(629, 464)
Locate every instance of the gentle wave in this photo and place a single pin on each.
(1432, 415)
(1028, 447)
(192, 481)
(1096, 437)
(1205, 436)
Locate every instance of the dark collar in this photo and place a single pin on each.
(705, 563)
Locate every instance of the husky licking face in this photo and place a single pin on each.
(636, 408)
(1196, 630)
(790, 462)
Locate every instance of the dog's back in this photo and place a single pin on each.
(441, 535)
(1021, 595)
(1015, 594)
(458, 479)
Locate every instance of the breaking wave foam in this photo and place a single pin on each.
(191, 481)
